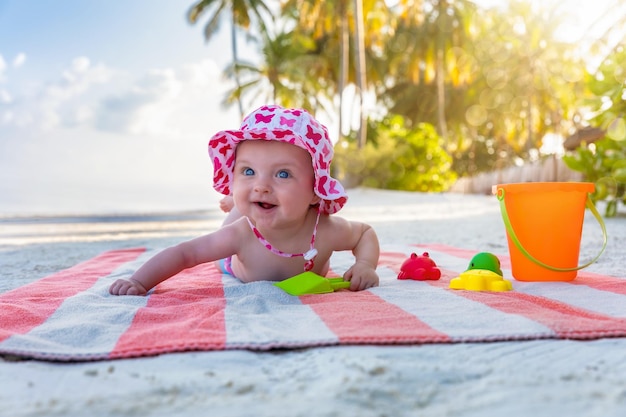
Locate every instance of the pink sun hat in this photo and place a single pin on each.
(294, 126)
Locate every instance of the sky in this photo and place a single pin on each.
(107, 107)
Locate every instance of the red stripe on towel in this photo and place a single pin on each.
(186, 312)
(363, 317)
(392, 260)
(597, 281)
(27, 307)
(451, 250)
(601, 282)
(565, 320)
(505, 261)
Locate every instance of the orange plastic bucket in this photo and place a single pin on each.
(544, 222)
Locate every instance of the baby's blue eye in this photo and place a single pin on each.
(248, 171)
(283, 174)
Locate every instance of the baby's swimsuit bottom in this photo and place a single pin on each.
(225, 266)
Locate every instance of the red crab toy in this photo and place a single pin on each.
(419, 268)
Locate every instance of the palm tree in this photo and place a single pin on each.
(449, 24)
(290, 73)
(528, 83)
(242, 12)
(424, 59)
(609, 79)
(318, 20)
(332, 25)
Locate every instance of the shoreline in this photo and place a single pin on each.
(127, 216)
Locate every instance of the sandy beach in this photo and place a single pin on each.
(522, 378)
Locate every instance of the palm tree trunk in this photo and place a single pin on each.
(233, 37)
(441, 96)
(343, 63)
(360, 66)
(439, 75)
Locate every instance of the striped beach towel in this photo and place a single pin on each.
(69, 316)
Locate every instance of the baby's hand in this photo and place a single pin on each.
(361, 276)
(226, 204)
(127, 287)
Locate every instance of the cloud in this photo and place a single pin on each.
(5, 97)
(19, 60)
(136, 109)
(203, 73)
(3, 68)
(77, 79)
(164, 102)
(69, 101)
(61, 103)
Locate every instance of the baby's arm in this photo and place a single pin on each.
(162, 266)
(366, 250)
(173, 260)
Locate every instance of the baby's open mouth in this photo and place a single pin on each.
(265, 205)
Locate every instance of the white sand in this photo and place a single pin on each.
(531, 378)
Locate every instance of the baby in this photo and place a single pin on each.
(277, 169)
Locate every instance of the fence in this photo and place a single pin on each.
(551, 169)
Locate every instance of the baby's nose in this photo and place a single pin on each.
(261, 186)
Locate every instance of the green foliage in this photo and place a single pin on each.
(608, 86)
(493, 80)
(605, 165)
(604, 162)
(481, 155)
(396, 157)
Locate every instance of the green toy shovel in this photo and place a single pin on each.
(311, 283)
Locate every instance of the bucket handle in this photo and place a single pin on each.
(513, 236)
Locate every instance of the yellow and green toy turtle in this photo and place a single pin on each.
(482, 274)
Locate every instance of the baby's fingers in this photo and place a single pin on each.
(362, 283)
(124, 287)
(356, 283)
(361, 278)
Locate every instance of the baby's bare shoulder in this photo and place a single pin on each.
(334, 221)
(344, 230)
(221, 243)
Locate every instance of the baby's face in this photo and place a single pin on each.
(273, 181)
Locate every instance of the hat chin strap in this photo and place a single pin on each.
(309, 256)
